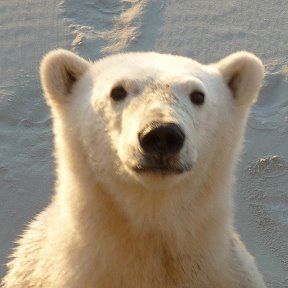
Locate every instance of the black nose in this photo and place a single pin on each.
(161, 139)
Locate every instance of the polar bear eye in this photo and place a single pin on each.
(197, 97)
(118, 93)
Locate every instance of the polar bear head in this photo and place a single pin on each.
(150, 118)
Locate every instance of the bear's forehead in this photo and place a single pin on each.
(149, 65)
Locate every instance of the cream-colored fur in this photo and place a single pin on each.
(109, 225)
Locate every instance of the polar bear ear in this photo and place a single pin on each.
(243, 72)
(59, 71)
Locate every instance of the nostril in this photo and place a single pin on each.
(174, 141)
(161, 138)
(150, 140)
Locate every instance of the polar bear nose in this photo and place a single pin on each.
(161, 139)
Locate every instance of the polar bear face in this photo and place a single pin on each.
(143, 117)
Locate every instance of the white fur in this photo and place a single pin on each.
(109, 226)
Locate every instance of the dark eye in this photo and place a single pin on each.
(118, 93)
(197, 97)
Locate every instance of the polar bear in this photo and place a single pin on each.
(145, 148)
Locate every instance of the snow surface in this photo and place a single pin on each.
(202, 29)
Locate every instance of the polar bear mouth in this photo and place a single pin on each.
(160, 165)
(160, 169)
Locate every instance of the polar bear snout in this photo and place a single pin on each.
(161, 139)
(160, 146)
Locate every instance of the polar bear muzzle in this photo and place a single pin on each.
(160, 144)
